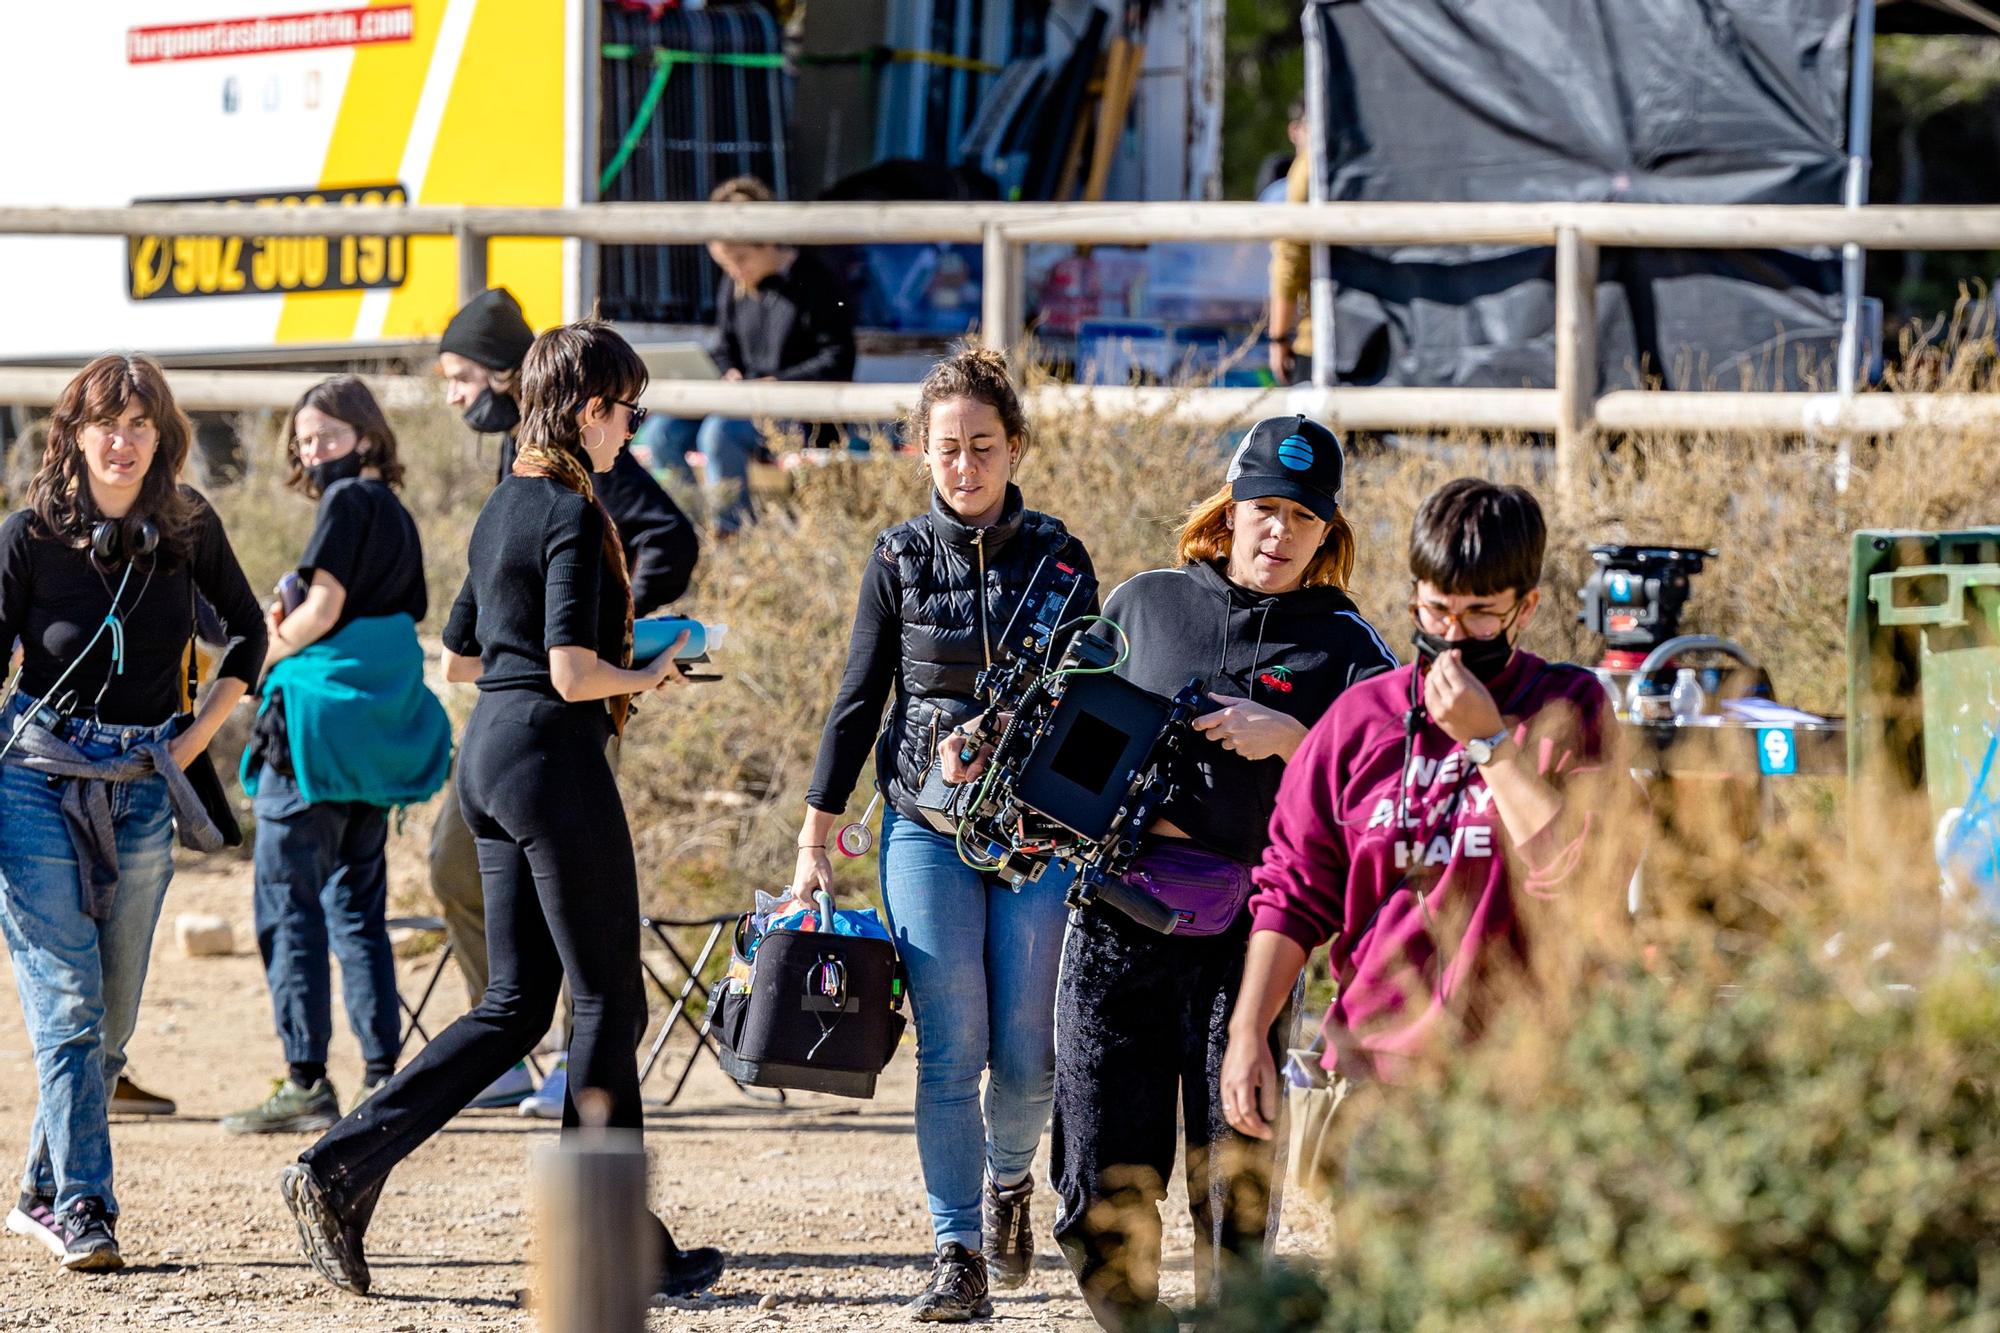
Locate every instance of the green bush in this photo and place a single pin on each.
(1793, 1151)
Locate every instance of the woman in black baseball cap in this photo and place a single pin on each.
(1255, 608)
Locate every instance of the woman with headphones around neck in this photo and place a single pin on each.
(98, 577)
(981, 956)
(543, 624)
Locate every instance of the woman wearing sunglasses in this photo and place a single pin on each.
(544, 626)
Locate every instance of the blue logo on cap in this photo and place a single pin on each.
(1296, 453)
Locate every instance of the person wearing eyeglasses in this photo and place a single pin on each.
(479, 358)
(1424, 810)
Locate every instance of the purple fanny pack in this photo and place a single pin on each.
(1206, 891)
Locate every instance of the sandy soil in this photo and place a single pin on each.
(819, 1203)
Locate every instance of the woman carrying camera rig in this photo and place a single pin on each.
(347, 730)
(1256, 610)
(543, 623)
(937, 592)
(98, 578)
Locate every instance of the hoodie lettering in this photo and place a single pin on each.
(1468, 842)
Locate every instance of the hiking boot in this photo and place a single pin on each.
(332, 1243)
(1009, 1241)
(88, 1245)
(686, 1272)
(510, 1089)
(35, 1217)
(290, 1109)
(128, 1098)
(547, 1103)
(957, 1293)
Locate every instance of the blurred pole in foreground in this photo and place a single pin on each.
(593, 1268)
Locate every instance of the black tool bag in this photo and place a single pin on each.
(810, 1010)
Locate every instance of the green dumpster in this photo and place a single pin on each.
(1923, 680)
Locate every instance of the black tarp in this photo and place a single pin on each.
(1654, 101)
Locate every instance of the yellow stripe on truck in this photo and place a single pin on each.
(500, 142)
(369, 136)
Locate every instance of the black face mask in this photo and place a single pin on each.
(323, 475)
(493, 413)
(1484, 658)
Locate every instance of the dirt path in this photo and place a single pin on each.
(819, 1204)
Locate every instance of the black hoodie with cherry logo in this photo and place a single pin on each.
(1293, 653)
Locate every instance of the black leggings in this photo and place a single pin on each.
(1142, 1022)
(562, 896)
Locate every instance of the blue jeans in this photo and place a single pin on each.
(982, 963)
(662, 445)
(79, 979)
(323, 878)
(727, 446)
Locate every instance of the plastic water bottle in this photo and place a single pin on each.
(1688, 700)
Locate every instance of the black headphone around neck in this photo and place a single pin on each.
(116, 542)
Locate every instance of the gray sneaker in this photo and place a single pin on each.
(35, 1217)
(290, 1109)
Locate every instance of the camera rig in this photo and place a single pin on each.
(1635, 596)
(1082, 759)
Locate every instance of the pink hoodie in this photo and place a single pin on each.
(1339, 871)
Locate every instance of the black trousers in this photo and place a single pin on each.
(562, 897)
(1142, 1023)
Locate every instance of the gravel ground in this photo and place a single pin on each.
(819, 1204)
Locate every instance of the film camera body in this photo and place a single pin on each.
(1081, 762)
(1635, 596)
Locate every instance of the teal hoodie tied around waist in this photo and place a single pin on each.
(362, 724)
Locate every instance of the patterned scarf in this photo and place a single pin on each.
(563, 467)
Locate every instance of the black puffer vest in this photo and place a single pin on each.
(942, 566)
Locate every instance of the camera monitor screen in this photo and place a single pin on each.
(1100, 734)
(1089, 753)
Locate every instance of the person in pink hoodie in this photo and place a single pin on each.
(1423, 810)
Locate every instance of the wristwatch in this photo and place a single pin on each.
(1481, 749)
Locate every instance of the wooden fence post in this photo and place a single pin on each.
(1001, 298)
(595, 1265)
(471, 263)
(1576, 357)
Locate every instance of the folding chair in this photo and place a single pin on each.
(679, 1010)
(415, 1026)
(433, 925)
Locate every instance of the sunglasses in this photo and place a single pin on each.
(632, 422)
(638, 413)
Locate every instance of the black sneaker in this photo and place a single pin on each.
(88, 1245)
(1009, 1242)
(687, 1272)
(331, 1242)
(34, 1216)
(957, 1293)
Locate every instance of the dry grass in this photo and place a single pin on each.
(715, 781)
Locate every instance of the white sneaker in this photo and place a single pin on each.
(510, 1089)
(547, 1103)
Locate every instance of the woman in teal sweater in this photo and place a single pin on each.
(347, 730)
